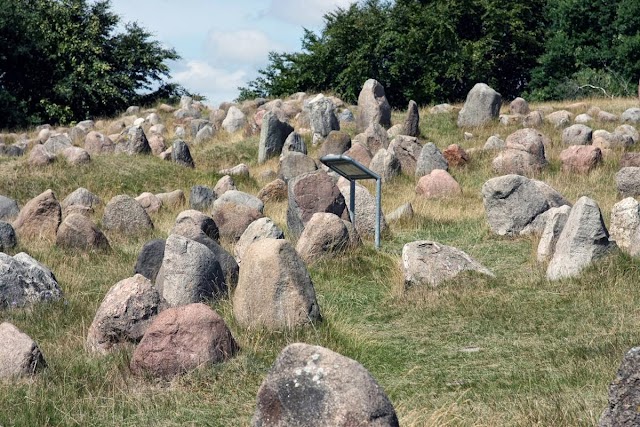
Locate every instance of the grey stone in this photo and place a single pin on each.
(427, 263)
(263, 228)
(295, 164)
(24, 281)
(172, 199)
(20, 356)
(313, 386)
(430, 158)
(81, 197)
(223, 185)
(196, 125)
(577, 135)
(272, 137)
(494, 143)
(373, 106)
(386, 164)
(374, 138)
(524, 153)
(39, 218)
(365, 208)
(583, 240)
(125, 215)
(411, 126)
(583, 118)
(336, 142)
(56, 143)
(407, 149)
(240, 198)
(201, 198)
(134, 142)
(323, 117)
(624, 394)
(628, 181)
(519, 106)
(235, 120)
(559, 119)
(8, 208)
(8, 238)
(149, 259)
(630, 131)
(294, 142)
(631, 115)
(625, 225)
(481, 106)
(346, 116)
(274, 290)
(98, 143)
(181, 154)
(401, 213)
(204, 134)
(556, 220)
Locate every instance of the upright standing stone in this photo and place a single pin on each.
(134, 142)
(323, 118)
(624, 394)
(8, 208)
(430, 158)
(272, 136)
(373, 106)
(481, 106)
(625, 225)
(181, 155)
(411, 125)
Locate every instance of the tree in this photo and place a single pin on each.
(62, 60)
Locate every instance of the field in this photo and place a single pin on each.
(516, 350)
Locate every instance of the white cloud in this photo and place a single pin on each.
(240, 47)
(307, 13)
(217, 84)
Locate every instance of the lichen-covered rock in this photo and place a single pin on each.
(24, 281)
(19, 355)
(125, 215)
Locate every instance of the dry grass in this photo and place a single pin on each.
(514, 350)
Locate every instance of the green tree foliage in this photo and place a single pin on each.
(62, 60)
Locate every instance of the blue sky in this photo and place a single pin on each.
(224, 42)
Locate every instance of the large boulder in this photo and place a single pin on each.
(324, 234)
(123, 214)
(323, 118)
(191, 272)
(628, 181)
(313, 386)
(272, 136)
(57, 143)
(274, 289)
(624, 394)
(481, 106)
(310, 193)
(631, 115)
(181, 339)
(578, 134)
(385, 164)
(124, 314)
(294, 142)
(20, 356)
(201, 198)
(430, 159)
(98, 143)
(149, 259)
(519, 106)
(625, 225)
(336, 142)
(580, 158)
(583, 240)
(427, 263)
(373, 106)
(556, 218)
(373, 138)
(39, 218)
(24, 281)
(407, 150)
(365, 208)
(512, 202)
(192, 224)
(524, 153)
(263, 228)
(39, 156)
(134, 142)
(235, 120)
(8, 208)
(233, 219)
(79, 232)
(438, 184)
(80, 200)
(294, 164)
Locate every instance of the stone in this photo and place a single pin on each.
(310, 193)
(625, 225)
(583, 118)
(205, 134)
(153, 119)
(624, 399)
(20, 356)
(191, 272)
(157, 144)
(56, 143)
(123, 214)
(510, 119)
(238, 170)
(455, 155)
(401, 213)
(124, 315)
(157, 129)
(494, 143)
(577, 135)
(386, 164)
(559, 119)
(43, 135)
(580, 158)
(241, 198)
(346, 116)
(533, 120)
(273, 134)
(627, 159)
(605, 116)
(39, 218)
(438, 184)
(149, 259)
(555, 222)
(519, 106)
(8, 239)
(336, 142)
(274, 290)
(234, 121)
(407, 150)
(373, 106)
(441, 109)
(201, 198)
(39, 157)
(275, 191)
(80, 200)
(149, 202)
(182, 339)
(365, 208)
(313, 386)
(8, 208)
(611, 140)
(323, 118)
(24, 282)
(512, 202)
(374, 138)
(192, 224)
(77, 134)
(360, 154)
(631, 115)
(134, 142)
(76, 156)
(628, 181)
(481, 106)
(411, 126)
(524, 153)
(430, 158)
(196, 126)
(428, 263)
(294, 142)
(262, 228)
(233, 219)
(628, 130)
(80, 233)
(295, 164)
(395, 130)
(583, 240)
(181, 154)
(172, 199)
(324, 234)
(223, 185)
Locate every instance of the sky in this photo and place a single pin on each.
(223, 43)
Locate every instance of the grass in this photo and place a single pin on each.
(515, 350)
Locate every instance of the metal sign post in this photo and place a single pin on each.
(352, 170)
